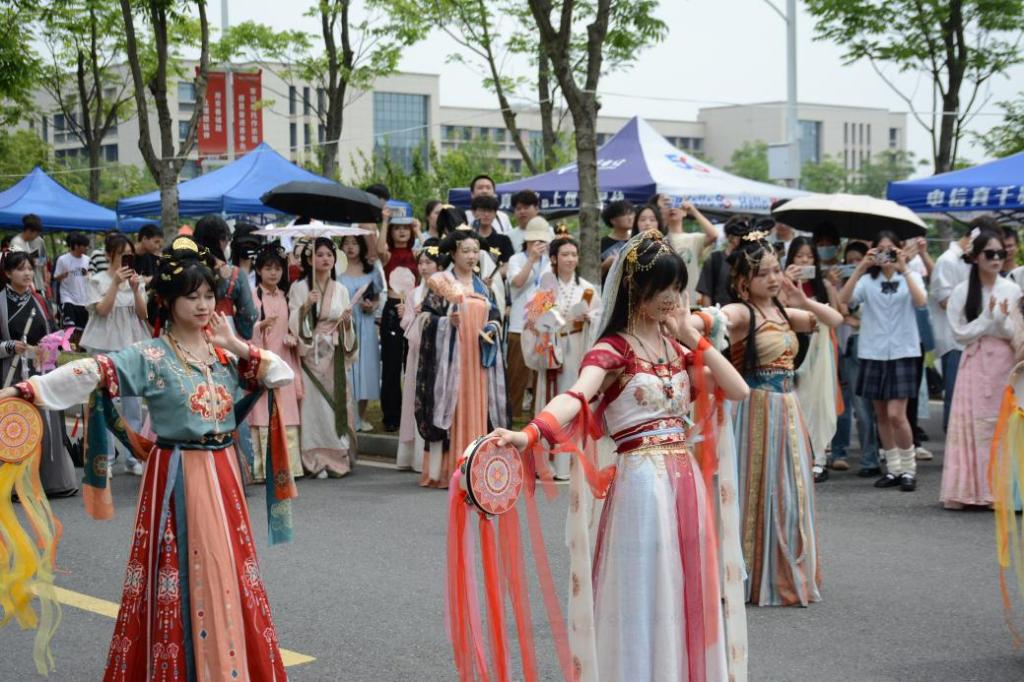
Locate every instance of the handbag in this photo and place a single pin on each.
(924, 328)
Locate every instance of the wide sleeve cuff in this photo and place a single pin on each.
(266, 368)
(65, 386)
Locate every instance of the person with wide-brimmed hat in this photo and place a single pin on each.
(525, 270)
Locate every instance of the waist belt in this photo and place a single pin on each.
(654, 434)
(211, 441)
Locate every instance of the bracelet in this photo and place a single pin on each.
(547, 426)
(708, 322)
(532, 434)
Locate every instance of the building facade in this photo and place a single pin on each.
(402, 116)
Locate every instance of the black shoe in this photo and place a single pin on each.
(908, 483)
(390, 428)
(869, 472)
(820, 474)
(887, 481)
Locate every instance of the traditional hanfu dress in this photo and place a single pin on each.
(366, 370)
(776, 485)
(985, 363)
(410, 443)
(24, 317)
(275, 305)
(657, 611)
(460, 383)
(193, 606)
(328, 408)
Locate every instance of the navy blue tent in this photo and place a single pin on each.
(59, 209)
(996, 186)
(635, 164)
(233, 189)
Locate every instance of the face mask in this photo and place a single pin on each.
(827, 252)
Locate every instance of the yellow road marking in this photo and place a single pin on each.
(109, 609)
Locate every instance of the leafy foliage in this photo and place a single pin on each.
(750, 161)
(19, 67)
(1007, 137)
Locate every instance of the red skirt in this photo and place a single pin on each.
(193, 606)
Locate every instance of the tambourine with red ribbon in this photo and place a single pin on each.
(493, 475)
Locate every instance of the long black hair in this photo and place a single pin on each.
(897, 243)
(448, 220)
(973, 304)
(307, 264)
(364, 251)
(817, 282)
(657, 268)
(209, 232)
(180, 270)
(745, 264)
(268, 255)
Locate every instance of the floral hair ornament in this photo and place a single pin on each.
(656, 244)
(755, 236)
(561, 230)
(184, 244)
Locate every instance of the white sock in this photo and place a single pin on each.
(909, 461)
(893, 461)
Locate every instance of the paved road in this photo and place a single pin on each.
(910, 590)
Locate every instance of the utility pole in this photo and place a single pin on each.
(784, 159)
(229, 90)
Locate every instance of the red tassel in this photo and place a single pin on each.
(493, 594)
(511, 546)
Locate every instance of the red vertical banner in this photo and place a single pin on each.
(248, 91)
(213, 134)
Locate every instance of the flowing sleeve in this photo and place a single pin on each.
(264, 368)
(124, 373)
(963, 331)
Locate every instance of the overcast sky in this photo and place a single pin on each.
(717, 51)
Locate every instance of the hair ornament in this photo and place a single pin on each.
(494, 251)
(465, 227)
(755, 236)
(184, 244)
(561, 230)
(444, 206)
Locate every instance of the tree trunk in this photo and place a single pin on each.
(586, 159)
(94, 172)
(947, 132)
(547, 110)
(168, 200)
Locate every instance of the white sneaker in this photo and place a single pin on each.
(365, 427)
(135, 468)
(322, 475)
(922, 455)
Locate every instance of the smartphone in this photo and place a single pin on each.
(128, 261)
(845, 271)
(806, 272)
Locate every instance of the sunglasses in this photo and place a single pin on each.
(995, 254)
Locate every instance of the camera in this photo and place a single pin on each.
(887, 256)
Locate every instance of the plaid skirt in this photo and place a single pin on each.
(889, 379)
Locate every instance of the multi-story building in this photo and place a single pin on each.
(403, 113)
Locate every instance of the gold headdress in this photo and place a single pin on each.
(755, 236)
(650, 242)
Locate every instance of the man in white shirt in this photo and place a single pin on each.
(950, 269)
(525, 270)
(31, 241)
(483, 185)
(689, 245)
(72, 272)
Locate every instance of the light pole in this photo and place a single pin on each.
(229, 90)
(792, 142)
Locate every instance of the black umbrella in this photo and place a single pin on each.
(325, 201)
(853, 216)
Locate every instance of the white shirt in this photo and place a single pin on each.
(888, 323)
(522, 295)
(74, 288)
(1017, 276)
(689, 246)
(949, 271)
(989, 322)
(119, 328)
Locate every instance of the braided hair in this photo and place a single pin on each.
(181, 270)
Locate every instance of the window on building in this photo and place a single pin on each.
(448, 132)
(190, 169)
(894, 137)
(307, 134)
(58, 123)
(292, 100)
(400, 126)
(466, 133)
(321, 101)
(517, 166)
(186, 97)
(321, 134)
(293, 136)
(498, 135)
(869, 135)
(46, 129)
(846, 133)
(307, 105)
(860, 133)
(810, 142)
(698, 145)
(483, 133)
(846, 158)
(110, 152)
(535, 143)
(603, 137)
(182, 129)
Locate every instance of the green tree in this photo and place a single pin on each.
(875, 175)
(827, 176)
(750, 161)
(170, 26)
(19, 67)
(119, 180)
(960, 45)
(85, 43)
(20, 152)
(589, 37)
(1007, 137)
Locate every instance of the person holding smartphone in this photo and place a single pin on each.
(117, 319)
(889, 350)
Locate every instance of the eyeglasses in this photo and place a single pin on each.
(995, 254)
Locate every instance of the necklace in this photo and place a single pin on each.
(565, 295)
(190, 355)
(661, 360)
(209, 401)
(661, 369)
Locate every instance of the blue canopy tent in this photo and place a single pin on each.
(637, 163)
(234, 189)
(59, 209)
(993, 187)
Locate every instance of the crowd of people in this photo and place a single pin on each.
(472, 322)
